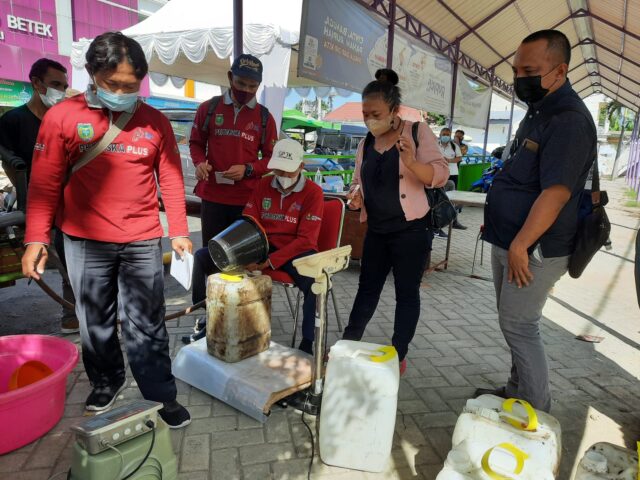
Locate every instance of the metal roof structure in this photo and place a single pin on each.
(481, 37)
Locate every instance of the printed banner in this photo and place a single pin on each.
(472, 106)
(342, 44)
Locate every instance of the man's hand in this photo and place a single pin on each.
(29, 267)
(181, 245)
(407, 152)
(519, 265)
(252, 267)
(355, 196)
(202, 171)
(235, 173)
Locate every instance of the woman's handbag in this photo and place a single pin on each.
(441, 210)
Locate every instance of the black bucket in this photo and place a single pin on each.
(240, 244)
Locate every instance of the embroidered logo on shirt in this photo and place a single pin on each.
(252, 126)
(295, 206)
(139, 134)
(313, 218)
(85, 131)
(266, 203)
(39, 147)
(219, 119)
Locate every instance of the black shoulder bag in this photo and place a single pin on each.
(593, 229)
(441, 210)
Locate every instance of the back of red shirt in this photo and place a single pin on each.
(233, 139)
(114, 197)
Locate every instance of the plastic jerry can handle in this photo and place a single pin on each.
(380, 355)
(531, 424)
(518, 454)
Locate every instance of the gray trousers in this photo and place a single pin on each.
(520, 312)
(128, 277)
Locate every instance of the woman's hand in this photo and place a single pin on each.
(181, 245)
(407, 152)
(354, 197)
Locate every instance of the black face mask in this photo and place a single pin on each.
(529, 89)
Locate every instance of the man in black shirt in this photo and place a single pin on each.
(531, 213)
(18, 132)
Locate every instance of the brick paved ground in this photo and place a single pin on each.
(458, 347)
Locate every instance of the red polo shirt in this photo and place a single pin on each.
(114, 197)
(234, 139)
(292, 221)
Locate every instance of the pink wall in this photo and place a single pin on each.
(20, 49)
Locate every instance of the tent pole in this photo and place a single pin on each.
(454, 81)
(486, 125)
(237, 28)
(513, 101)
(392, 31)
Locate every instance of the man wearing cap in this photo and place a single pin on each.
(227, 136)
(289, 208)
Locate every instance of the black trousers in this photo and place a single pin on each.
(406, 254)
(128, 276)
(203, 266)
(215, 217)
(67, 291)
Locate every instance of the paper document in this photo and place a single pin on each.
(181, 269)
(221, 179)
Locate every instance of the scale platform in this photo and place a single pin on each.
(251, 385)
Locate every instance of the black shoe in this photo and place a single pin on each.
(306, 346)
(102, 398)
(440, 234)
(458, 226)
(498, 392)
(175, 415)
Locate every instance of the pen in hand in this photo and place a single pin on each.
(35, 267)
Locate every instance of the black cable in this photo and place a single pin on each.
(149, 424)
(313, 443)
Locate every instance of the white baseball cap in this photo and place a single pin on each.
(287, 156)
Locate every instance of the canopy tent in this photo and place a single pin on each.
(295, 119)
(194, 39)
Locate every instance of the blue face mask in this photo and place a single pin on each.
(117, 102)
(445, 139)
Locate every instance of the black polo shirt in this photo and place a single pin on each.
(555, 144)
(18, 131)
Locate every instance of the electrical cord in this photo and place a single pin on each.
(313, 444)
(117, 477)
(152, 426)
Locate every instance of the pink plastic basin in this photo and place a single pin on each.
(29, 412)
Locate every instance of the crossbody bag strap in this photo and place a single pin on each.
(115, 129)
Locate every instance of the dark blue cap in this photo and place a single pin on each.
(247, 66)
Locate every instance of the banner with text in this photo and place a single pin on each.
(472, 106)
(343, 45)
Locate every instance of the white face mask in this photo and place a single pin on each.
(379, 127)
(286, 182)
(52, 97)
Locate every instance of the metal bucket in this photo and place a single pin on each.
(240, 244)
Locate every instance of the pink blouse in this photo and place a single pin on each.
(412, 195)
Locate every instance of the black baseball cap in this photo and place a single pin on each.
(248, 66)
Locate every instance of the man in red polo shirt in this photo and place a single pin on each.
(227, 136)
(289, 208)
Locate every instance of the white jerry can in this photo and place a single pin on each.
(359, 406)
(496, 438)
(604, 461)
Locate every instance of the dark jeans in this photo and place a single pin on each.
(452, 184)
(406, 254)
(203, 266)
(215, 217)
(67, 291)
(128, 276)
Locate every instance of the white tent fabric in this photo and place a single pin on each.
(194, 38)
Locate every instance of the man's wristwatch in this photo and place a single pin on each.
(248, 170)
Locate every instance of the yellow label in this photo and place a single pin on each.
(388, 353)
(230, 278)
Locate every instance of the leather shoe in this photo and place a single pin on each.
(458, 226)
(498, 392)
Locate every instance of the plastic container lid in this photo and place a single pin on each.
(29, 372)
(594, 462)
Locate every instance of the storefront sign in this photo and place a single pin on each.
(14, 94)
(29, 26)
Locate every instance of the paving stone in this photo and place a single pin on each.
(257, 472)
(225, 465)
(212, 424)
(271, 452)
(195, 453)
